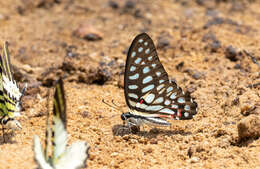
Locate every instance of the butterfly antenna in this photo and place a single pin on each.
(252, 58)
(114, 105)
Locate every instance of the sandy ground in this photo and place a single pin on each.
(200, 45)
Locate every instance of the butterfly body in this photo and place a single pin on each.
(149, 93)
(139, 120)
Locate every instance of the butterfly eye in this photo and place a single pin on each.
(123, 117)
(5, 120)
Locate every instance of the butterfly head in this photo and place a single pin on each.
(11, 123)
(125, 116)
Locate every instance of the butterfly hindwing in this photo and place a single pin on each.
(39, 155)
(75, 156)
(147, 86)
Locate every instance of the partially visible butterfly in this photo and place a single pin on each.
(149, 93)
(10, 95)
(62, 157)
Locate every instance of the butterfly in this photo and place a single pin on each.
(62, 157)
(10, 95)
(150, 95)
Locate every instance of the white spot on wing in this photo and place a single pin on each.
(161, 81)
(132, 87)
(150, 58)
(186, 114)
(147, 51)
(154, 108)
(133, 54)
(145, 43)
(173, 96)
(158, 73)
(138, 60)
(147, 88)
(134, 77)
(153, 65)
(169, 89)
(150, 98)
(167, 102)
(158, 100)
(147, 79)
(146, 69)
(166, 110)
(132, 95)
(132, 68)
(181, 100)
(140, 49)
(140, 40)
(187, 107)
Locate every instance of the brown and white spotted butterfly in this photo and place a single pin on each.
(149, 93)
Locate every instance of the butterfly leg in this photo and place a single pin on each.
(133, 127)
(121, 130)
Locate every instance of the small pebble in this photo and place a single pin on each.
(113, 4)
(114, 154)
(129, 4)
(163, 42)
(193, 160)
(231, 53)
(88, 32)
(197, 75)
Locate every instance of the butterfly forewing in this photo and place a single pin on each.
(9, 91)
(59, 106)
(5, 63)
(147, 86)
(59, 121)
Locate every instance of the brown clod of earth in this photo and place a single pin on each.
(249, 127)
(88, 32)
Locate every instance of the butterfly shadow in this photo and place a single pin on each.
(121, 130)
(7, 138)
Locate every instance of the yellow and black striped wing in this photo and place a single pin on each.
(59, 134)
(9, 92)
(3, 110)
(6, 64)
(59, 107)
